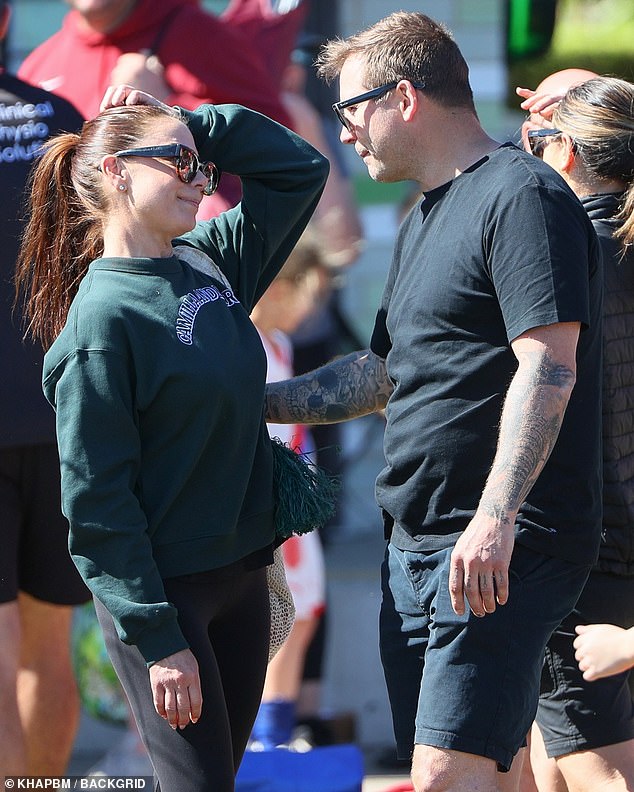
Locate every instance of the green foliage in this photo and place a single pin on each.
(589, 34)
(529, 73)
(100, 691)
(595, 27)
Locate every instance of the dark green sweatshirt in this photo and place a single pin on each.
(158, 384)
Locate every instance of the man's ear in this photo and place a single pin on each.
(5, 16)
(408, 98)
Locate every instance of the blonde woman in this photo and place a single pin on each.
(587, 727)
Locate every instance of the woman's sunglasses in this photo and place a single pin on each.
(538, 139)
(186, 160)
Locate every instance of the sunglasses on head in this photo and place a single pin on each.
(538, 139)
(374, 93)
(186, 160)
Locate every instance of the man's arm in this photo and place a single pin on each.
(531, 418)
(348, 387)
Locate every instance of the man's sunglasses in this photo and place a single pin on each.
(538, 140)
(375, 93)
(186, 160)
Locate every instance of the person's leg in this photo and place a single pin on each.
(309, 700)
(46, 688)
(49, 588)
(588, 727)
(276, 716)
(284, 674)
(460, 772)
(180, 761)
(305, 575)
(606, 769)
(240, 639)
(542, 773)
(444, 770)
(12, 745)
(37, 686)
(519, 778)
(404, 635)
(226, 623)
(477, 697)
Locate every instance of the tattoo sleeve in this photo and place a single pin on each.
(345, 388)
(531, 419)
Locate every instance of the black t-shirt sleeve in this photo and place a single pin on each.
(539, 258)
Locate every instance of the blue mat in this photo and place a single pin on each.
(332, 768)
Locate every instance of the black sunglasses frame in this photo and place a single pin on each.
(374, 93)
(538, 139)
(186, 172)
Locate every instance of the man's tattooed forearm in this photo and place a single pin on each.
(346, 388)
(531, 419)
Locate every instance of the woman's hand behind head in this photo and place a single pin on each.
(120, 95)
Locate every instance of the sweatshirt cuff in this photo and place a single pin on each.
(155, 645)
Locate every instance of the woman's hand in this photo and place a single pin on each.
(176, 689)
(542, 104)
(120, 95)
(540, 108)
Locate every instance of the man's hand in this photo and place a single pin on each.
(176, 689)
(479, 566)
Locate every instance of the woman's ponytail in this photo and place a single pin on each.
(60, 240)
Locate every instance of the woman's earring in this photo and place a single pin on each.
(122, 187)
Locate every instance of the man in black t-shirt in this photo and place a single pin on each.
(38, 582)
(486, 355)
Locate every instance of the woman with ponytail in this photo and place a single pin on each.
(157, 377)
(587, 135)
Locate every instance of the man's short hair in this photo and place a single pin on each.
(404, 45)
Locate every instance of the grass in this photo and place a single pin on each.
(590, 34)
(594, 27)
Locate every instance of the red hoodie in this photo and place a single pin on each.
(206, 59)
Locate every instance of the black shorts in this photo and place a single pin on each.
(573, 714)
(35, 557)
(461, 682)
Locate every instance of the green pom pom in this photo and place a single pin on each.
(305, 494)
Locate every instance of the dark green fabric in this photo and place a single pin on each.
(158, 383)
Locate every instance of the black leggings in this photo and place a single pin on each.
(226, 622)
